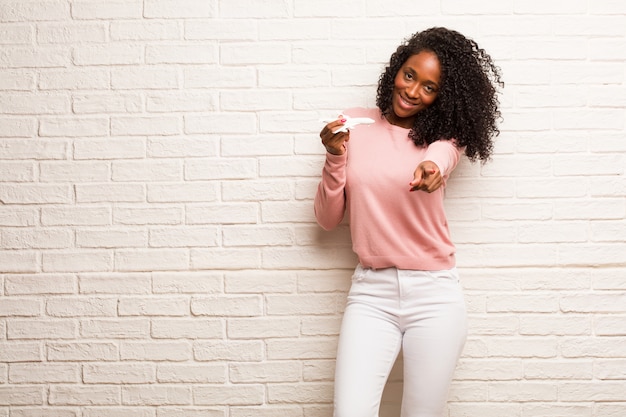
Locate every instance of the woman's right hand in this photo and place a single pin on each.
(335, 142)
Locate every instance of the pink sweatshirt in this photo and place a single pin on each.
(390, 226)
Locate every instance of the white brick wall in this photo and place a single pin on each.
(158, 160)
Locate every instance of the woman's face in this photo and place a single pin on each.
(415, 88)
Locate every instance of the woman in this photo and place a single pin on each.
(436, 99)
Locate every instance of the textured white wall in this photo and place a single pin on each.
(158, 160)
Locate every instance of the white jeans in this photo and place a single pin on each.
(421, 312)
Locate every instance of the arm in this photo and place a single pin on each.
(439, 161)
(330, 199)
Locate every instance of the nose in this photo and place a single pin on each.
(412, 90)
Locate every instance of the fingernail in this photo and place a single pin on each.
(344, 120)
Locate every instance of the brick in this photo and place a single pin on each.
(118, 54)
(305, 304)
(106, 192)
(234, 351)
(232, 306)
(259, 145)
(601, 347)
(114, 283)
(194, 373)
(54, 33)
(263, 328)
(224, 213)
(59, 172)
(143, 395)
(311, 392)
(257, 236)
(25, 104)
(191, 412)
(35, 57)
(20, 307)
(42, 411)
(24, 395)
(302, 348)
(297, 212)
(558, 370)
(265, 372)
(182, 146)
(230, 259)
(254, 282)
(325, 326)
(522, 391)
(81, 307)
(569, 325)
(144, 78)
(591, 391)
(116, 9)
(155, 351)
(235, 29)
(277, 410)
(32, 284)
(127, 102)
(74, 79)
(17, 127)
(207, 282)
(153, 306)
(178, 9)
(144, 30)
(231, 395)
(41, 329)
(84, 395)
(295, 30)
(115, 328)
(21, 352)
(16, 80)
(77, 261)
(35, 194)
(82, 351)
(187, 329)
(219, 77)
(147, 215)
(285, 77)
(318, 370)
(226, 123)
(500, 370)
(182, 54)
(25, 373)
(74, 127)
(137, 373)
(76, 216)
(17, 172)
(18, 217)
(146, 170)
(142, 126)
(196, 191)
(117, 411)
(151, 260)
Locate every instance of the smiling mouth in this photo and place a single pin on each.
(407, 103)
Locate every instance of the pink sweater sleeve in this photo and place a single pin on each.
(330, 199)
(444, 153)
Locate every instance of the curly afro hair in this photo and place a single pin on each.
(466, 107)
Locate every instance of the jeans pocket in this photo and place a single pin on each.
(359, 273)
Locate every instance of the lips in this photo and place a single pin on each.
(405, 104)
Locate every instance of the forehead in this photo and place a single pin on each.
(425, 62)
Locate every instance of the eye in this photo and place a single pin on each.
(408, 75)
(430, 89)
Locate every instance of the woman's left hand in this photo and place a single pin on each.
(426, 177)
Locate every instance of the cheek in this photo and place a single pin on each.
(429, 99)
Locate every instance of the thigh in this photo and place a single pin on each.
(432, 347)
(369, 343)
